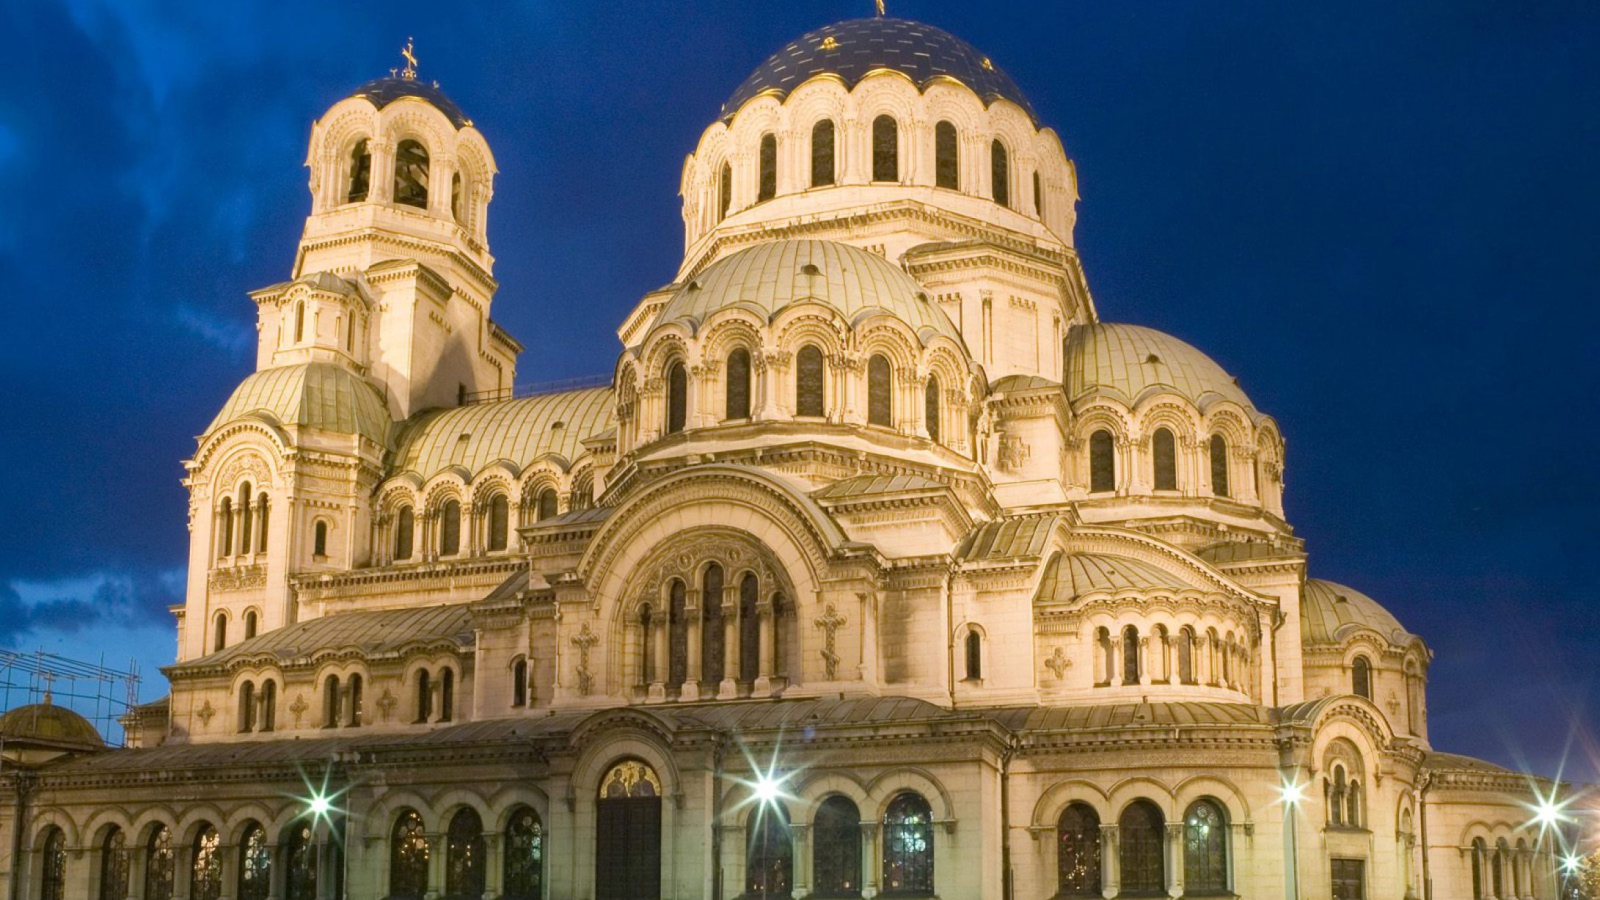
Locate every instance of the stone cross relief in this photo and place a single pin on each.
(583, 640)
(1058, 663)
(829, 622)
(298, 707)
(386, 704)
(205, 713)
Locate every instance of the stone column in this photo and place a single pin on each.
(767, 643)
(870, 860)
(380, 184)
(437, 845)
(802, 859)
(691, 679)
(441, 172)
(1174, 849)
(228, 860)
(1110, 862)
(659, 661)
(493, 867)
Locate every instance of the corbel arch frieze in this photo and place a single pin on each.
(247, 463)
(1181, 418)
(731, 329)
(818, 325)
(882, 333)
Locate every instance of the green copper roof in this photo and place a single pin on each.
(311, 395)
(519, 431)
(1127, 362)
(1072, 575)
(769, 277)
(1329, 611)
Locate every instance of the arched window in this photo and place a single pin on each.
(677, 397)
(299, 322)
(1140, 852)
(447, 695)
(408, 858)
(724, 192)
(1038, 196)
(255, 864)
(908, 846)
(930, 407)
(450, 528)
(1078, 852)
(269, 705)
(455, 199)
(946, 156)
(737, 404)
(1479, 858)
(300, 863)
(1000, 173)
(822, 153)
(974, 656)
(885, 149)
(1186, 655)
(1497, 869)
(836, 864)
(114, 866)
(225, 520)
(1361, 677)
(159, 864)
(330, 702)
(1219, 465)
(251, 622)
(749, 627)
(1102, 462)
(546, 504)
(1130, 655)
(768, 188)
(880, 391)
(219, 633)
(1352, 805)
(53, 865)
(519, 682)
(1336, 798)
(711, 644)
(499, 522)
(463, 856)
(405, 526)
(261, 523)
(769, 854)
(205, 876)
(524, 852)
(353, 715)
(411, 174)
(246, 519)
(319, 539)
(247, 706)
(1205, 849)
(808, 382)
(678, 634)
(360, 172)
(1165, 452)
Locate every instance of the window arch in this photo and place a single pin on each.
(330, 702)
(261, 522)
(836, 864)
(1000, 172)
(724, 191)
(499, 522)
(299, 322)
(1205, 849)
(908, 845)
(822, 173)
(159, 863)
(405, 526)
(519, 682)
(1038, 196)
(353, 714)
(1130, 655)
(246, 518)
(247, 706)
(1140, 851)
(1335, 792)
(114, 865)
(930, 407)
(411, 174)
(463, 856)
(1078, 852)
(885, 149)
(255, 864)
(408, 857)
(678, 632)
(269, 705)
(524, 856)
(447, 694)
(360, 172)
(1164, 450)
(768, 186)
(53, 865)
(251, 622)
(205, 875)
(546, 505)
(677, 396)
(737, 399)
(946, 156)
(769, 854)
(450, 527)
(1186, 655)
(749, 627)
(1361, 677)
(219, 632)
(1479, 858)
(1219, 465)
(225, 529)
(711, 642)
(808, 400)
(974, 656)
(300, 863)
(319, 539)
(880, 391)
(1102, 462)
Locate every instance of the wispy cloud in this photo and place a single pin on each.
(67, 606)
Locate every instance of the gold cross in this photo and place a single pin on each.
(409, 73)
(880, 7)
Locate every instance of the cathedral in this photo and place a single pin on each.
(885, 563)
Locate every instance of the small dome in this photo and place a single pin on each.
(384, 91)
(854, 49)
(313, 395)
(1329, 612)
(522, 431)
(50, 726)
(1128, 361)
(768, 277)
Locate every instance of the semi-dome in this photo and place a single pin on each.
(49, 726)
(384, 91)
(1128, 362)
(311, 395)
(768, 277)
(854, 49)
(519, 431)
(1330, 611)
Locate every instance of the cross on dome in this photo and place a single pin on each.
(409, 73)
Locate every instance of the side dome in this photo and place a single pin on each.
(311, 395)
(768, 277)
(383, 91)
(855, 48)
(1330, 611)
(1129, 361)
(45, 725)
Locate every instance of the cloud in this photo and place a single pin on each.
(31, 610)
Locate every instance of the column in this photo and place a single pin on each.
(1175, 859)
(658, 657)
(493, 868)
(869, 860)
(729, 688)
(691, 680)
(1110, 862)
(441, 173)
(182, 870)
(766, 643)
(380, 187)
(229, 863)
(802, 859)
(436, 866)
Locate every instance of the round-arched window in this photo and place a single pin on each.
(1205, 849)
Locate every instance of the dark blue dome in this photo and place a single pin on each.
(860, 46)
(384, 91)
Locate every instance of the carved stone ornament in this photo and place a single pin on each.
(1013, 452)
(386, 704)
(829, 622)
(205, 713)
(298, 708)
(1393, 705)
(238, 578)
(584, 640)
(1058, 663)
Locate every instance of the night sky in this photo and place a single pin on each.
(1384, 218)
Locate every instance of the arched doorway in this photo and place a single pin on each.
(627, 858)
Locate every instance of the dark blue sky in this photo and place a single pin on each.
(1384, 218)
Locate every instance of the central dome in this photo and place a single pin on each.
(856, 48)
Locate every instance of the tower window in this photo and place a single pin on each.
(738, 394)
(424, 696)
(455, 199)
(1361, 677)
(447, 695)
(1165, 452)
(885, 149)
(974, 656)
(225, 529)
(499, 522)
(246, 520)
(930, 407)
(519, 683)
(220, 633)
(360, 172)
(677, 397)
(946, 156)
(411, 174)
(1000, 170)
(880, 392)
(1102, 462)
(725, 192)
(261, 523)
(319, 541)
(822, 153)
(1219, 465)
(299, 322)
(450, 528)
(808, 382)
(1038, 197)
(769, 168)
(247, 706)
(250, 620)
(712, 648)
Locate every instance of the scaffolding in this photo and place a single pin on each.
(97, 692)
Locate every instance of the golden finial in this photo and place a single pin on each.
(409, 73)
(987, 64)
(881, 13)
(828, 43)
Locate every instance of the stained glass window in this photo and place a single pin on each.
(1000, 172)
(206, 874)
(1219, 465)
(53, 865)
(404, 526)
(885, 149)
(930, 407)
(255, 864)
(159, 864)
(1165, 451)
(836, 833)
(738, 398)
(300, 863)
(822, 153)
(946, 156)
(408, 858)
(411, 174)
(769, 854)
(524, 848)
(908, 846)
(1078, 851)
(677, 397)
(114, 866)
(808, 382)
(450, 528)
(1141, 852)
(711, 644)
(464, 856)
(880, 391)
(499, 522)
(769, 168)
(1102, 462)
(1205, 849)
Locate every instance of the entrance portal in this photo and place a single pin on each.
(627, 859)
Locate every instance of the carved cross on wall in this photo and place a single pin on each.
(829, 622)
(386, 704)
(298, 707)
(1058, 663)
(583, 640)
(205, 713)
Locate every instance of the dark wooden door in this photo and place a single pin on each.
(1349, 881)
(627, 862)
